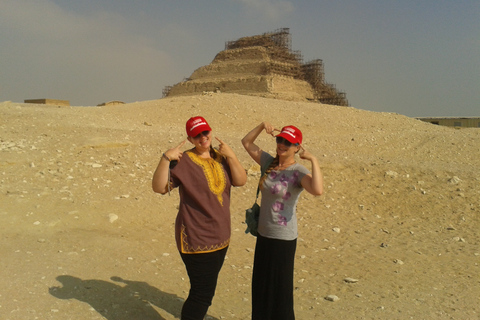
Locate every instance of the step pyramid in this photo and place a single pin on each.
(262, 65)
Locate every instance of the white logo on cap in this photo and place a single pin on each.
(290, 132)
(197, 124)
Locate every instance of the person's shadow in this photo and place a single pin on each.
(133, 300)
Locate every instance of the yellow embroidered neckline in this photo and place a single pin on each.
(213, 170)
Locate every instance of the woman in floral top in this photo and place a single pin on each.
(204, 177)
(284, 180)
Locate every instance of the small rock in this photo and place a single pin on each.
(454, 180)
(350, 280)
(337, 230)
(392, 174)
(112, 217)
(398, 261)
(332, 298)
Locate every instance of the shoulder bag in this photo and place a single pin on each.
(252, 214)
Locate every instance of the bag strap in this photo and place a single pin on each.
(262, 171)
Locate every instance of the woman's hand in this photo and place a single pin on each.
(239, 175)
(175, 153)
(313, 182)
(305, 155)
(225, 149)
(269, 128)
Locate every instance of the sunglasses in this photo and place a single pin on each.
(203, 133)
(285, 142)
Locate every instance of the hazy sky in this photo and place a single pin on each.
(416, 58)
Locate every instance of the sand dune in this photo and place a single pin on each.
(84, 237)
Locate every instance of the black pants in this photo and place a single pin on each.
(272, 281)
(203, 270)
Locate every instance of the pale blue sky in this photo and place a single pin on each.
(416, 58)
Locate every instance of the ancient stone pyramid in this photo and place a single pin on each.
(262, 65)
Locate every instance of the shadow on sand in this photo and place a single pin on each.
(123, 301)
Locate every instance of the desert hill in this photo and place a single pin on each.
(84, 236)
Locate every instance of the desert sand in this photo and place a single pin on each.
(395, 235)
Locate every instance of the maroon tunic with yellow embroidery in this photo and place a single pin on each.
(203, 219)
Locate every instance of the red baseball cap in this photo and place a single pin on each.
(292, 134)
(196, 125)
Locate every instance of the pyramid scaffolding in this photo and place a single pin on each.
(290, 63)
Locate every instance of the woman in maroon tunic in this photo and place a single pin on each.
(204, 177)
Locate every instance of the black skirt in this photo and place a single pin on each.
(272, 281)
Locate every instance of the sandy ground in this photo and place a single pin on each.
(84, 237)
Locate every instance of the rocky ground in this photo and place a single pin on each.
(395, 236)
